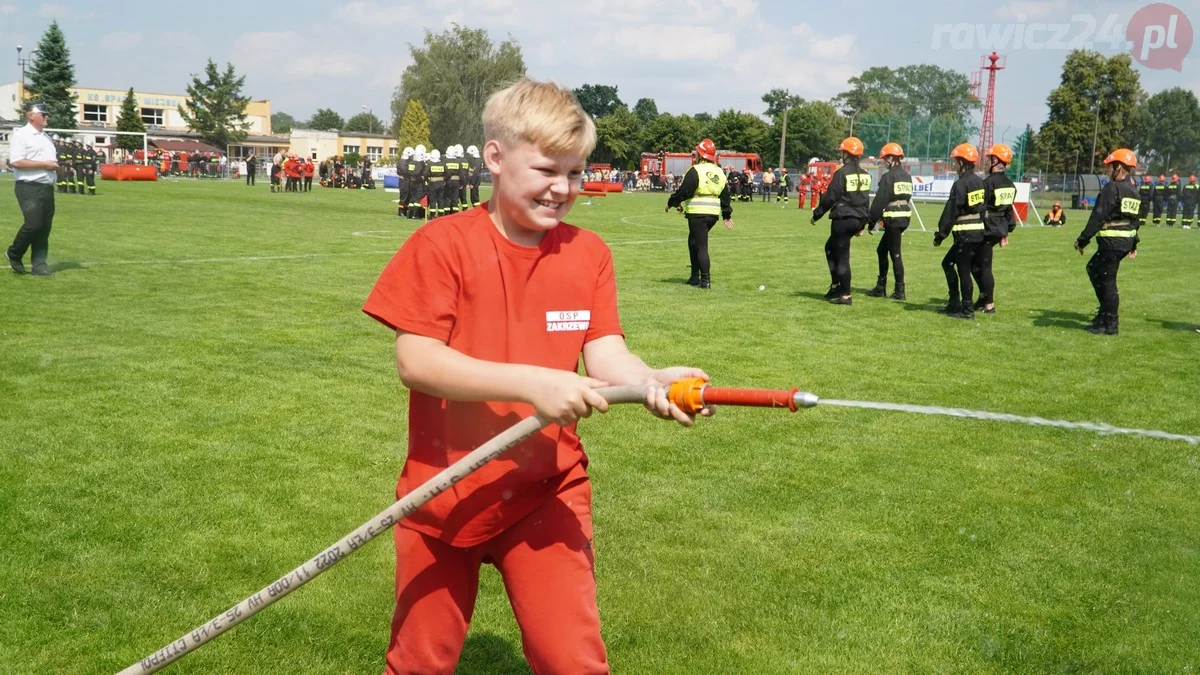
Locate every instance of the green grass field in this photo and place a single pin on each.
(194, 404)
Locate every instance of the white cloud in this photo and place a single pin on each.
(121, 41)
(672, 43)
(835, 48)
(6, 10)
(1020, 10)
(278, 53)
(51, 11)
(374, 15)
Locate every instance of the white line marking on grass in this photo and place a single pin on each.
(374, 234)
(302, 256)
(251, 258)
(628, 220)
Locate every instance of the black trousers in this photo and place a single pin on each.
(90, 177)
(1172, 210)
(37, 205)
(1102, 271)
(698, 228)
(434, 191)
(889, 250)
(981, 270)
(1189, 210)
(957, 265)
(249, 178)
(475, 193)
(837, 252)
(308, 183)
(1158, 209)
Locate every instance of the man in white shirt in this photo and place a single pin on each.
(33, 159)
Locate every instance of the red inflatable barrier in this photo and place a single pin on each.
(602, 186)
(127, 172)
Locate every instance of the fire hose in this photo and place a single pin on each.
(690, 395)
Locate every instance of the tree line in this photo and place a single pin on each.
(1098, 105)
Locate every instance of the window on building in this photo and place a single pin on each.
(95, 113)
(101, 140)
(347, 149)
(314, 154)
(374, 152)
(152, 116)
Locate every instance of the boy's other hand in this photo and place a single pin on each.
(656, 395)
(563, 397)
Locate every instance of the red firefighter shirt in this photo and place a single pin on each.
(458, 280)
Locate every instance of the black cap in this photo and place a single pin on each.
(37, 106)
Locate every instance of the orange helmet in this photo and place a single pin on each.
(965, 152)
(852, 145)
(891, 150)
(707, 150)
(1001, 152)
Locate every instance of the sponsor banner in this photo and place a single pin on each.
(931, 189)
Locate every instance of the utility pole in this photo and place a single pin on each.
(1095, 131)
(787, 99)
(23, 62)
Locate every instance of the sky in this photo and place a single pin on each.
(690, 56)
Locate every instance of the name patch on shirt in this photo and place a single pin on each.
(570, 320)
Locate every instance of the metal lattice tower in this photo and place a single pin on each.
(990, 63)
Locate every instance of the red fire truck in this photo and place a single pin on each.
(656, 165)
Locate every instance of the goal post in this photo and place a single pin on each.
(106, 132)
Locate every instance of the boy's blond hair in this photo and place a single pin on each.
(540, 113)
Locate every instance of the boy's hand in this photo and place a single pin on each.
(656, 395)
(563, 397)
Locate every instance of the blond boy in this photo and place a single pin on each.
(493, 309)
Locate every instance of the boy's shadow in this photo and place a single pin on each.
(490, 654)
(931, 305)
(1048, 318)
(60, 266)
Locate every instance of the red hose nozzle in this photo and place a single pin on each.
(692, 394)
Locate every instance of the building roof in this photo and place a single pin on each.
(189, 147)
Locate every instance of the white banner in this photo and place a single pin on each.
(930, 189)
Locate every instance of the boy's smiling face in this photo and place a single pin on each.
(534, 189)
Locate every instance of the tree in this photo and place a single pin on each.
(51, 78)
(703, 118)
(617, 138)
(673, 133)
(130, 119)
(645, 109)
(1098, 98)
(739, 131)
(216, 108)
(778, 100)
(414, 127)
(326, 119)
(598, 99)
(365, 122)
(814, 130)
(1169, 133)
(282, 123)
(453, 74)
(1023, 153)
(909, 91)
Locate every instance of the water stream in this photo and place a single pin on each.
(1098, 427)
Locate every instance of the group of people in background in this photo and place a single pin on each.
(432, 184)
(978, 216)
(78, 166)
(195, 164)
(1173, 199)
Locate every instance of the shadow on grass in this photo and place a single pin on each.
(490, 654)
(930, 305)
(61, 266)
(1177, 325)
(811, 295)
(1047, 318)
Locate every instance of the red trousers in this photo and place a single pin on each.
(548, 568)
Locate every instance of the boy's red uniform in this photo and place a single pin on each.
(308, 169)
(458, 280)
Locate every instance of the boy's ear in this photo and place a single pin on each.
(493, 153)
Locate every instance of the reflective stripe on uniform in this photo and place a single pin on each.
(710, 183)
(897, 214)
(967, 227)
(1117, 233)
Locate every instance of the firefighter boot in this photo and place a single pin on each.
(705, 281)
(898, 293)
(880, 290)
